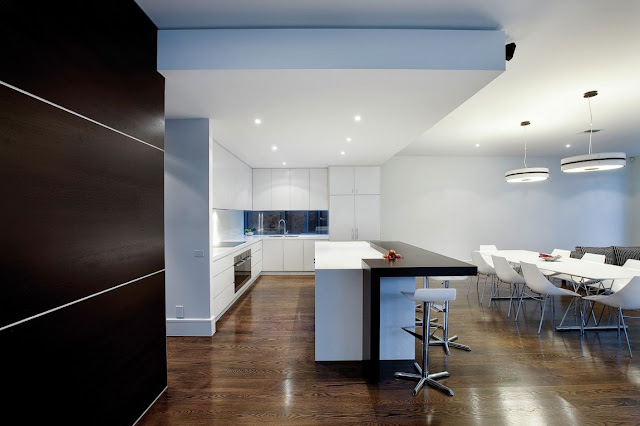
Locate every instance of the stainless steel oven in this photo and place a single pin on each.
(241, 269)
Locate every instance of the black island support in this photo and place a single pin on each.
(415, 262)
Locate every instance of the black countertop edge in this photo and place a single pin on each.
(415, 262)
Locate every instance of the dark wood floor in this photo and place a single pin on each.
(259, 369)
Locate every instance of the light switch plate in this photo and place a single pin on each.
(198, 253)
(179, 311)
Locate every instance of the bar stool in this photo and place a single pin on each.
(446, 341)
(428, 296)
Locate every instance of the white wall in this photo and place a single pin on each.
(186, 209)
(452, 205)
(634, 204)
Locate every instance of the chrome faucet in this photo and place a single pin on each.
(284, 222)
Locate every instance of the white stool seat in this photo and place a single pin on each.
(449, 278)
(430, 295)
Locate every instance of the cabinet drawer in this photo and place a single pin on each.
(222, 281)
(256, 256)
(256, 247)
(221, 265)
(221, 301)
(256, 269)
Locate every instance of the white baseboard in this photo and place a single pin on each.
(191, 326)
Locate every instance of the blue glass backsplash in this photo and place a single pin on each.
(296, 221)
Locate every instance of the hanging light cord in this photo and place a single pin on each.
(590, 124)
(524, 129)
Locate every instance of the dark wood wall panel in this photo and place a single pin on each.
(98, 60)
(83, 207)
(100, 361)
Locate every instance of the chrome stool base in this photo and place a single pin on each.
(429, 379)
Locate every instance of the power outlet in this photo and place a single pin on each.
(179, 311)
(198, 253)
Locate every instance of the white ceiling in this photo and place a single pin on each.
(564, 48)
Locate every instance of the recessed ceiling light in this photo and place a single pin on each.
(348, 139)
(342, 153)
(477, 145)
(568, 145)
(284, 163)
(274, 148)
(357, 118)
(257, 121)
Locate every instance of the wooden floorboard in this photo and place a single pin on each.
(259, 368)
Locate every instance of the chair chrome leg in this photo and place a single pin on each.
(544, 307)
(520, 303)
(624, 327)
(486, 278)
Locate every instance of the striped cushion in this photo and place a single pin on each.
(624, 253)
(609, 253)
(576, 254)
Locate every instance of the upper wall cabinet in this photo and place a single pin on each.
(261, 189)
(290, 189)
(280, 189)
(231, 184)
(354, 180)
(318, 189)
(300, 190)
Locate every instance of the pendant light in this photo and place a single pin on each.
(528, 174)
(593, 162)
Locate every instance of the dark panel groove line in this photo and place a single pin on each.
(77, 114)
(80, 300)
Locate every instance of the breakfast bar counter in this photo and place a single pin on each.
(359, 306)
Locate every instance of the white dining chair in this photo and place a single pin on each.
(561, 252)
(592, 257)
(612, 286)
(558, 278)
(488, 247)
(537, 283)
(483, 269)
(507, 275)
(628, 297)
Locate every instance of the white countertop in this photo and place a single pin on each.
(344, 254)
(219, 252)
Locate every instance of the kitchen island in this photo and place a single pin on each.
(359, 306)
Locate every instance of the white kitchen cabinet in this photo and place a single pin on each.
(220, 196)
(341, 180)
(318, 189)
(221, 281)
(309, 255)
(243, 186)
(354, 217)
(367, 180)
(341, 217)
(367, 217)
(280, 189)
(354, 180)
(299, 189)
(293, 257)
(231, 184)
(261, 189)
(273, 254)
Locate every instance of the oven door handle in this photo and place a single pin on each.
(240, 263)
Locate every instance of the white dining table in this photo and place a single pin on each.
(583, 272)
